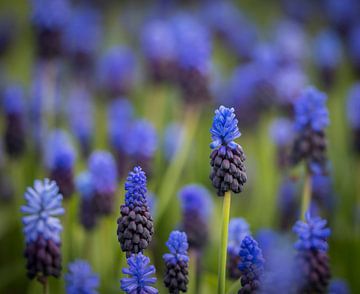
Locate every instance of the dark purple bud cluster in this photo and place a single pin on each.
(228, 169)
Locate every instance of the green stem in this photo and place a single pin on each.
(306, 199)
(224, 241)
(192, 272)
(46, 287)
(234, 288)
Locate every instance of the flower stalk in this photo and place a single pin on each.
(306, 198)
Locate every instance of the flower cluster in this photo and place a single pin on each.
(353, 108)
(176, 262)
(42, 229)
(81, 279)
(227, 161)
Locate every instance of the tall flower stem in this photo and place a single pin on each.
(234, 287)
(192, 272)
(46, 287)
(306, 198)
(223, 244)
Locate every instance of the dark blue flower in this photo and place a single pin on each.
(81, 279)
(342, 14)
(135, 187)
(267, 239)
(238, 230)
(43, 206)
(13, 100)
(312, 234)
(50, 14)
(282, 132)
(327, 51)
(59, 151)
(85, 185)
(102, 168)
(353, 106)
(140, 276)
(178, 246)
(354, 45)
(142, 139)
(195, 199)
(250, 254)
(224, 129)
(120, 115)
(311, 111)
(173, 138)
(287, 203)
(338, 286)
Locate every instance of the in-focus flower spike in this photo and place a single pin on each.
(81, 278)
(117, 71)
(311, 119)
(327, 56)
(120, 117)
(176, 263)
(173, 138)
(288, 203)
(338, 286)
(80, 114)
(49, 19)
(251, 266)
(88, 213)
(312, 257)
(238, 230)
(282, 134)
(135, 225)
(353, 110)
(140, 274)
(60, 160)
(14, 136)
(227, 160)
(159, 47)
(42, 230)
(196, 206)
(142, 144)
(102, 168)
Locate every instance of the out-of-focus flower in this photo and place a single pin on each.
(227, 160)
(322, 197)
(140, 275)
(287, 203)
(117, 71)
(60, 159)
(354, 47)
(81, 279)
(196, 209)
(159, 47)
(353, 110)
(173, 138)
(102, 168)
(177, 263)
(338, 286)
(238, 230)
(251, 265)
(8, 31)
(42, 229)
(311, 119)
(80, 114)
(327, 55)
(135, 225)
(312, 258)
(14, 137)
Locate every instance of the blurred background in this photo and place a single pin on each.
(141, 79)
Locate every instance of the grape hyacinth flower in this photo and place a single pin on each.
(135, 225)
(194, 46)
(142, 144)
(120, 118)
(80, 114)
(251, 266)
(322, 194)
(227, 159)
(42, 230)
(282, 135)
(176, 263)
(159, 47)
(14, 138)
(338, 286)
(49, 19)
(117, 71)
(140, 276)
(327, 56)
(311, 119)
(88, 213)
(81, 279)
(353, 110)
(196, 209)
(173, 138)
(312, 257)
(102, 168)
(238, 230)
(287, 203)
(60, 160)
(354, 47)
